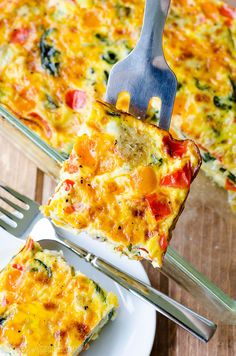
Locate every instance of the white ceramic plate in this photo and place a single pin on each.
(133, 331)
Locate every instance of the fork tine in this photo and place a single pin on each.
(17, 195)
(7, 227)
(13, 205)
(9, 215)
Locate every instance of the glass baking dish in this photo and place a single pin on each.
(203, 234)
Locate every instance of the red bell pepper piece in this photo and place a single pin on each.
(17, 266)
(163, 242)
(175, 148)
(230, 185)
(76, 99)
(68, 184)
(159, 206)
(20, 35)
(69, 209)
(179, 179)
(227, 11)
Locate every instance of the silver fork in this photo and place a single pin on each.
(23, 219)
(144, 73)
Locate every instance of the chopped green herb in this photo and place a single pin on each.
(206, 156)
(233, 84)
(72, 269)
(110, 314)
(222, 169)
(42, 265)
(231, 38)
(86, 341)
(179, 86)
(200, 85)
(222, 103)
(101, 37)
(156, 160)
(128, 47)
(110, 57)
(106, 74)
(49, 55)
(2, 320)
(123, 11)
(100, 291)
(50, 103)
(130, 247)
(113, 113)
(232, 177)
(156, 116)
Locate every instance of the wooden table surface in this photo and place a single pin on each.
(209, 234)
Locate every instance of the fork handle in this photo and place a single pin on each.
(197, 325)
(155, 14)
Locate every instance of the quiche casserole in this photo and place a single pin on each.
(200, 46)
(126, 182)
(55, 58)
(47, 308)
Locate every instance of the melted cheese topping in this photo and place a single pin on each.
(200, 46)
(50, 48)
(125, 181)
(36, 289)
(55, 57)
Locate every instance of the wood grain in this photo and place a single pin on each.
(204, 235)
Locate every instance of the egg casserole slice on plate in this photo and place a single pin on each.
(48, 308)
(126, 181)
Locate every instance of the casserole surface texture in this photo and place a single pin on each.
(55, 58)
(200, 46)
(126, 181)
(48, 308)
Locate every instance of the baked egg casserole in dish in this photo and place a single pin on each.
(48, 308)
(200, 47)
(125, 181)
(50, 76)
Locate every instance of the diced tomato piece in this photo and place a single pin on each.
(227, 11)
(179, 179)
(17, 266)
(69, 209)
(163, 242)
(158, 205)
(229, 185)
(76, 99)
(175, 148)
(68, 184)
(20, 35)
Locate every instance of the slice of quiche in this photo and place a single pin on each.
(125, 181)
(47, 308)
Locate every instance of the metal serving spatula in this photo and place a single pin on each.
(144, 73)
(21, 221)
